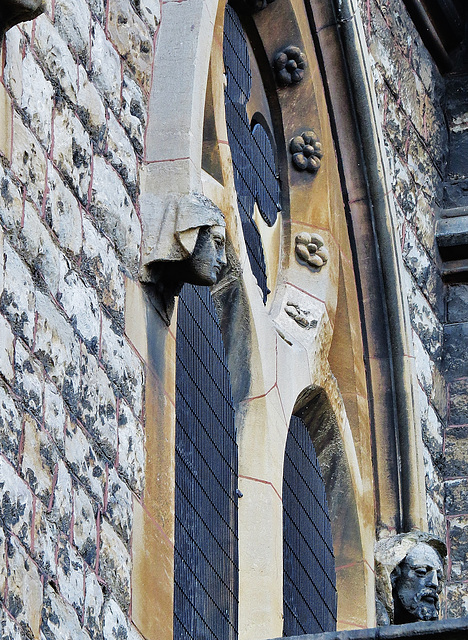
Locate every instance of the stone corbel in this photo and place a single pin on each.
(183, 241)
(14, 11)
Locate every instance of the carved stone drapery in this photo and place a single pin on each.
(14, 11)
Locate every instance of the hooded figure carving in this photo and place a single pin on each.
(189, 247)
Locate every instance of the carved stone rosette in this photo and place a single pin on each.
(14, 11)
(310, 248)
(289, 66)
(306, 152)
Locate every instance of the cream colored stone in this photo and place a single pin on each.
(6, 117)
(135, 317)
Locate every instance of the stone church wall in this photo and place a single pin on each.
(73, 97)
(411, 99)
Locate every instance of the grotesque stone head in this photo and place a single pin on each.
(409, 577)
(417, 582)
(186, 245)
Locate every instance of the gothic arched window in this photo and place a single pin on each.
(205, 554)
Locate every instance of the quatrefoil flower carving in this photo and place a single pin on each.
(310, 248)
(306, 152)
(289, 66)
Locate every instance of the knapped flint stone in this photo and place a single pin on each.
(456, 497)
(456, 350)
(456, 452)
(457, 303)
(458, 405)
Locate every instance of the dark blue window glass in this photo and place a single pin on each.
(255, 170)
(309, 590)
(205, 554)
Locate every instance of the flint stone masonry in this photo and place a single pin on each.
(72, 444)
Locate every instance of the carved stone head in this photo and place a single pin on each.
(14, 11)
(188, 246)
(409, 577)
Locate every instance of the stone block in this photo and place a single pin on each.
(9, 628)
(432, 430)
(16, 503)
(457, 166)
(56, 345)
(24, 599)
(456, 350)
(98, 9)
(423, 270)
(37, 100)
(72, 151)
(134, 113)
(73, 23)
(456, 496)
(115, 214)
(458, 403)
(150, 12)
(131, 38)
(97, 405)
(457, 303)
(6, 350)
(13, 71)
(439, 392)
(106, 68)
(29, 381)
(28, 161)
(59, 619)
(38, 460)
(70, 575)
(115, 565)
(61, 510)
(84, 526)
(424, 321)
(38, 249)
(119, 506)
(54, 415)
(63, 213)
(84, 462)
(56, 58)
(94, 601)
(122, 364)
(101, 268)
(7, 123)
(45, 541)
(435, 517)
(423, 364)
(456, 452)
(81, 304)
(17, 301)
(121, 154)
(131, 449)
(456, 600)
(10, 426)
(91, 108)
(115, 625)
(11, 203)
(458, 533)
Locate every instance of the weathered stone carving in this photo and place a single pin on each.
(14, 11)
(289, 66)
(409, 577)
(310, 248)
(306, 152)
(301, 316)
(190, 248)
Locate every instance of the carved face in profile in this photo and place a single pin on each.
(208, 257)
(417, 582)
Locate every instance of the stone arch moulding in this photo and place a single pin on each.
(340, 40)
